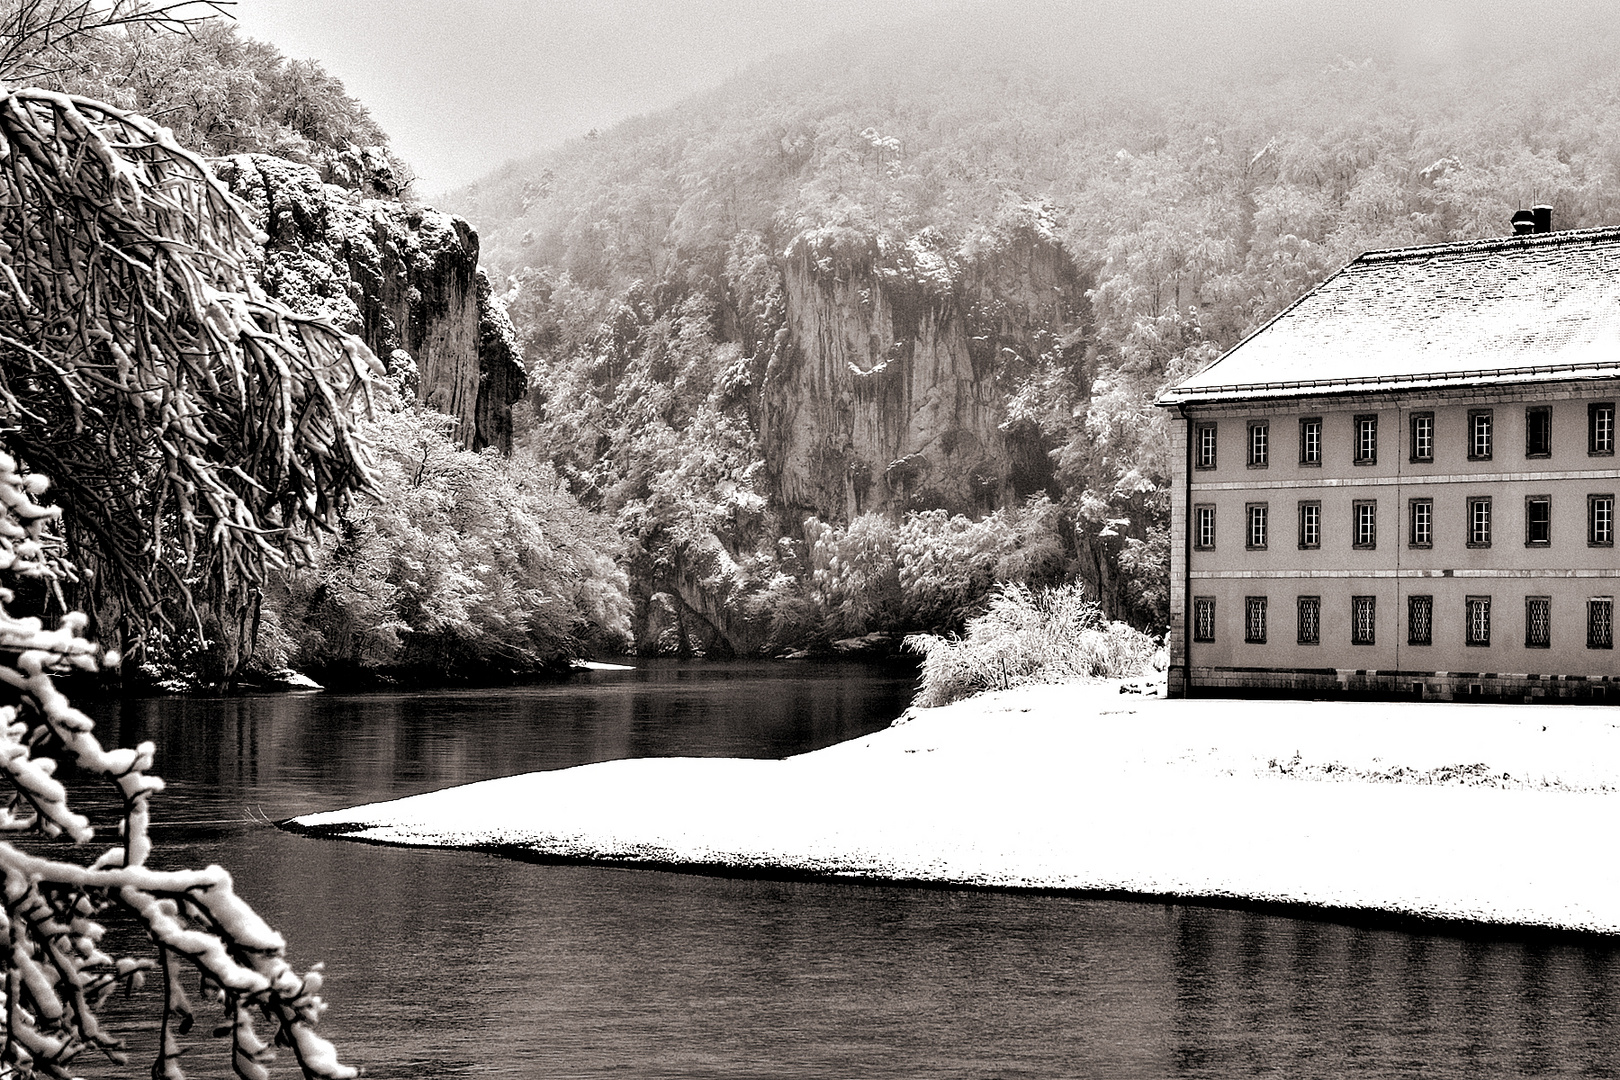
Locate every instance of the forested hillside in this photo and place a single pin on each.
(868, 329)
(449, 562)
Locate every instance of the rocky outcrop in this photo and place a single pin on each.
(501, 378)
(888, 385)
(405, 279)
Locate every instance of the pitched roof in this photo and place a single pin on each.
(1537, 308)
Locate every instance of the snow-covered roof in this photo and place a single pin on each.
(1537, 308)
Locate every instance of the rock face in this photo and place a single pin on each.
(887, 388)
(404, 279)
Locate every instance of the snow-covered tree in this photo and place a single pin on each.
(57, 972)
(197, 432)
(194, 429)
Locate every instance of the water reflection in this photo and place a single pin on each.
(448, 963)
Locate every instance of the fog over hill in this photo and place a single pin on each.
(945, 269)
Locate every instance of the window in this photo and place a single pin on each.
(1600, 622)
(1204, 527)
(1259, 442)
(1363, 617)
(1537, 520)
(1257, 526)
(1310, 620)
(1537, 622)
(1479, 521)
(1600, 520)
(1479, 434)
(1203, 618)
(1310, 524)
(1204, 449)
(1420, 620)
(1366, 513)
(1254, 620)
(1367, 440)
(1538, 432)
(1310, 440)
(1479, 621)
(1420, 512)
(1600, 427)
(1423, 436)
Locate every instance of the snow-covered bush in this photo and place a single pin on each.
(1028, 636)
(931, 570)
(57, 974)
(459, 563)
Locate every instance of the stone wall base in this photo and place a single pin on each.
(1396, 685)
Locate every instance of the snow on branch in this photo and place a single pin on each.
(195, 428)
(56, 974)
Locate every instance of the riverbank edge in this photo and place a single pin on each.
(1360, 918)
(1498, 742)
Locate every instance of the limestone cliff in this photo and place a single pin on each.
(405, 279)
(887, 387)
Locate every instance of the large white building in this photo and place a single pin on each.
(1405, 483)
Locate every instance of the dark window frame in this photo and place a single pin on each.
(1252, 604)
(1356, 507)
(1197, 525)
(1412, 540)
(1530, 521)
(1314, 623)
(1263, 428)
(1474, 416)
(1593, 446)
(1203, 616)
(1490, 518)
(1304, 459)
(1600, 629)
(1372, 455)
(1356, 603)
(1415, 456)
(1249, 512)
(1592, 519)
(1414, 604)
(1472, 604)
(1530, 640)
(1532, 414)
(1310, 545)
(1198, 445)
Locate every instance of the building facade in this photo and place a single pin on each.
(1405, 484)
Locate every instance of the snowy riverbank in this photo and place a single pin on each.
(1490, 813)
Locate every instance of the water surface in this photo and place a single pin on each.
(450, 963)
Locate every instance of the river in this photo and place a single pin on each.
(459, 964)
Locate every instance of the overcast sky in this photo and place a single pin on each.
(464, 85)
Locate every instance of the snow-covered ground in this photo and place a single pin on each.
(1494, 813)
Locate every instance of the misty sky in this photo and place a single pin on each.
(464, 85)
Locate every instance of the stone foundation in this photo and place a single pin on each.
(1399, 685)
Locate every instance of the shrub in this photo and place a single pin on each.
(931, 570)
(1026, 636)
(463, 563)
